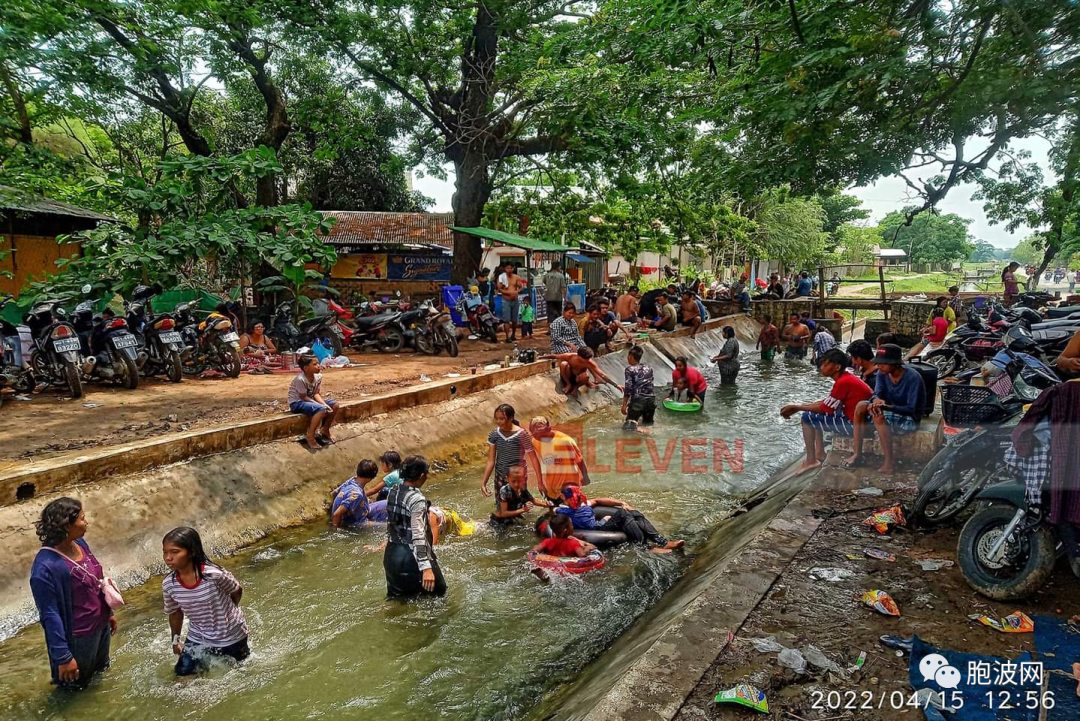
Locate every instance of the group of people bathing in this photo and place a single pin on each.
(801, 335)
(549, 457)
(69, 584)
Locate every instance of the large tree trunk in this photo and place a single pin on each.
(26, 131)
(473, 188)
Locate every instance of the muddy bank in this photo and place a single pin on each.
(800, 609)
(52, 425)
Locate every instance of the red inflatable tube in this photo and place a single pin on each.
(567, 564)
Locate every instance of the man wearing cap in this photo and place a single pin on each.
(895, 409)
(560, 459)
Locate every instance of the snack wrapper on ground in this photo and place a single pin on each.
(886, 517)
(1016, 622)
(879, 554)
(881, 602)
(744, 695)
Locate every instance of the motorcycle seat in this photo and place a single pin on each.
(372, 321)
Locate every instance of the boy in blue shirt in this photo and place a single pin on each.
(895, 409)
(350, 506)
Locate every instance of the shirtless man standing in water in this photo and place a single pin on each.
(796, 335)
(574, 369)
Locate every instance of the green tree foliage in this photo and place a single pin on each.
(1026, 253)
(856, 244)
(840, 210)
(789, 229)
(930, 238)
(1019, 196)
(186, 230)
(983, 252)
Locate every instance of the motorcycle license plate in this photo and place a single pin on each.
(171, 337)
(65, 345)
(125, 341)
(230, 337)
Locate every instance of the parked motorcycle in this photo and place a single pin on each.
(57, 353)
(13, 373)
(439, 333)
(481, 321)
(1008, 550)
(110, 349)
(378, 332)
(412, 324)
(289, 336)
(973, 458)
(212, 344)
(162, 346)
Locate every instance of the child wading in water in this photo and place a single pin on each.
(528, 316)
(210, 598)
(391, 468)
(681, 393)
(514, 499)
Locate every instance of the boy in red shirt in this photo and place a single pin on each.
(563, 544)
(835, 413)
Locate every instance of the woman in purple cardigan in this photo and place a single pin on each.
(65, 581)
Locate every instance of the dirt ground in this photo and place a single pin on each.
(51, 423)
(800, 609)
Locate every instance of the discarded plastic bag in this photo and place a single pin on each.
(321, 352)
(900, 644)
(881, 602)
(1015, 622)
(744, 695)
(880, 555)
(886, 517)
(832, 575)
(816, 657)
(766, 645)
(791, 658)
(933, 564)
(871, 491)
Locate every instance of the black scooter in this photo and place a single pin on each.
(290, 336)
(162, 346)
(1008, 550)
(57, 354)
(111, 351)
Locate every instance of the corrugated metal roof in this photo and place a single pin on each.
(377, 228)
(14, 199)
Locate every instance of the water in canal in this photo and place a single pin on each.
(326, 644)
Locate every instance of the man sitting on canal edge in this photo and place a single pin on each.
(895, 409)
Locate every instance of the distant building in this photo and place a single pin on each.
(29, 226)
(889, 256)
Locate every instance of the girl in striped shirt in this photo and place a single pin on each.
(210, 598)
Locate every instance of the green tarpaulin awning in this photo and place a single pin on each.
(517, 241)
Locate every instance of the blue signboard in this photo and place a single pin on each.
(418, 266)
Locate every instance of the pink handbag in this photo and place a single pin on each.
(107, 585)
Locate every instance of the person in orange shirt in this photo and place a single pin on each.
(560, 459)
